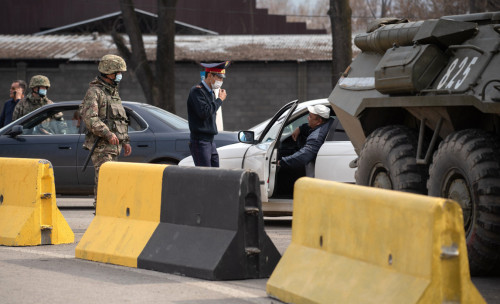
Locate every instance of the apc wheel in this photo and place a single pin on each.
(388, 160)
(466, 168)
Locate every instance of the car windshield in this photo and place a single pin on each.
(171, 119)
(272, 134)
(257, 129)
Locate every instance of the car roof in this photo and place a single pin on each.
(77, 102)
(304, 104)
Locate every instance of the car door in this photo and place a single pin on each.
(262, 156)
(51, 135)
(334, 156)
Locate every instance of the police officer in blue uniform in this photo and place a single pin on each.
(202, 106)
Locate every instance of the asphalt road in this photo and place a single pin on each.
(51, 274)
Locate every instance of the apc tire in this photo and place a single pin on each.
(466, 168)
(388, 160)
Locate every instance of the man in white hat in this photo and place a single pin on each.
(315, 130)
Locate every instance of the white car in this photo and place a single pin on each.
(261, 147)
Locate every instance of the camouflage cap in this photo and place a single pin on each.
(39, 81)
(111, 64)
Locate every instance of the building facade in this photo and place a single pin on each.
(264, 75)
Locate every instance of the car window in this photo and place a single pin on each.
(289, 128)
(134, 123)
(337, 132)
(169, 118)
(52, 122)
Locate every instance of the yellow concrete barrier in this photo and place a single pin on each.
(28, 212)
(125, 222)
(354, 244)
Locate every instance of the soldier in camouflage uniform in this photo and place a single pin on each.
(104, 116)
(36, 98)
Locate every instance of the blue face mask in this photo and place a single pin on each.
(118, 78)
(42, 92)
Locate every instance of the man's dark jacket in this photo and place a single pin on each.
(202, 110)
(310, 150)
(8, 110)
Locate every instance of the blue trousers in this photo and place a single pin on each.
(204, 153)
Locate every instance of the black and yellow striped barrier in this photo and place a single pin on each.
(354, 244)
(199, 222)
(28, 211)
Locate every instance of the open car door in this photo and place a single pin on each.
(262, 156)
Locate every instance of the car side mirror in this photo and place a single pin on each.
(246, 137)
(16, 130)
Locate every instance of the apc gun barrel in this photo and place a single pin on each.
(385, 37)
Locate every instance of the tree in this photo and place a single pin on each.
(159, 87)
(340, 21)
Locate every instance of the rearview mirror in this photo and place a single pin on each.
(16, 130)
(246, 137)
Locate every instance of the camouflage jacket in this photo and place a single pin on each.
(29, 104)
(103, 114)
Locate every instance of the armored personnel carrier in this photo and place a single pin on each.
(421, 105)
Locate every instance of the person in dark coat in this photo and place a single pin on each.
(202, 106)
(16, 94)
(314, 132)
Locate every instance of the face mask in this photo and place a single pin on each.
(42, 92)
(217, 85)
(118, 78)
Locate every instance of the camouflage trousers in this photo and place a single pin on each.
(99, 158)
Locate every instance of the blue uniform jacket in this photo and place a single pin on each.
(310, 150)
(202, 109)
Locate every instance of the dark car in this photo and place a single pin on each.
(54, 132)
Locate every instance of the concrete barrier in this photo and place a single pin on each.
(28, 211)
(354, 244)
(127, 214)
(198, 222)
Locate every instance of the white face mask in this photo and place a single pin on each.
(217, 85)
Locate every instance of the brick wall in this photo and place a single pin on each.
(256, 90)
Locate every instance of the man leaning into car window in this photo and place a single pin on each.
(314, 132)
(104, 116)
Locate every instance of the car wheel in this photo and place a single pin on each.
(466, 168)
(388, 160)
(166, 162)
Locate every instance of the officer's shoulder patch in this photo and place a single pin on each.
(198, 86)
